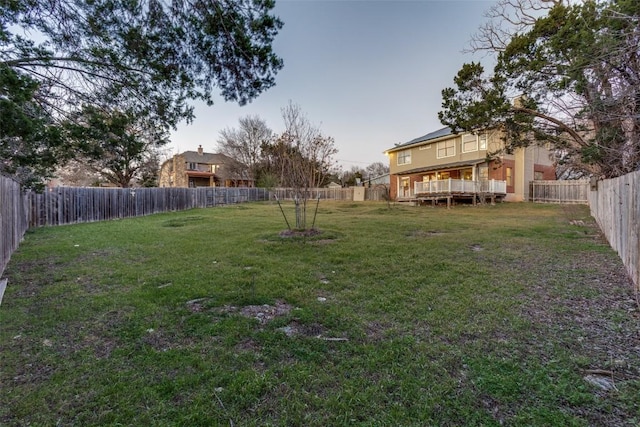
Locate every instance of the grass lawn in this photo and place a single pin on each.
(474, 316)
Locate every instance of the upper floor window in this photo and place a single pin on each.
(482, 141)
(192, 166)
(469, 143)
(404, 157)
(447, 148)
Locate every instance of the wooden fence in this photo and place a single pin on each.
(13, 219)
(70, 205)
(375, 193)
(615, 205)
(559, 191)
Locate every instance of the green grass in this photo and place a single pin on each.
(475, 316)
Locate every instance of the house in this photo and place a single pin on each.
(443, 164)
(200, 169)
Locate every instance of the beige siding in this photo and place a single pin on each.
(421, 156)
(524, 162)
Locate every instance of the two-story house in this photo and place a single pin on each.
(200, 169)
(443, 163)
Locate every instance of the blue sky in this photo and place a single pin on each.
(369, 73)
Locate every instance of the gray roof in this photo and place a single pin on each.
(208, 158)
(433, 135)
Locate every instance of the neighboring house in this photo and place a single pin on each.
(200, 169)
(445, 163)
(334, 185)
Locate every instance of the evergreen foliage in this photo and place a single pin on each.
(575, 74)
(147, 58)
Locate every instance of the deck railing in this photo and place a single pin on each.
(447, 186)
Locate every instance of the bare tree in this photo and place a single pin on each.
(376, 169)
(308, 158)
(244, 144)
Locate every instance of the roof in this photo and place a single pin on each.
(441, 167)
(209, 158)
(445, 131)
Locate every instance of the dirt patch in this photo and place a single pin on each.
(262, 313)
(300, 233)
(196, 305)
(265, 313)
(295, 328)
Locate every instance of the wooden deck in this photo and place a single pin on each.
(451, 198)
(452, 190)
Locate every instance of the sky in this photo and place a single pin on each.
(368, 73)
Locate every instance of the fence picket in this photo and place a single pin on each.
(13, 219)
(615, 205)
(559, 191)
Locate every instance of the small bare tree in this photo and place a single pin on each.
(307, 158)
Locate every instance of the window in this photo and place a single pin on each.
(404, 190)
(538, 176)
(192, 166)
(404, 157)
(509, 176)
(482, 141)
(469, 143)
(483, 172)
(424, 147)
(446, 148)
(213, 168)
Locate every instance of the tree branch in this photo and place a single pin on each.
(575, 135)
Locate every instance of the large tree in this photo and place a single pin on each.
(577, 73)
(147, 57)
(119, 146)
(30, 142)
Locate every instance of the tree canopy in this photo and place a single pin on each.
(115, 145)
(575, 76)
(146, 58)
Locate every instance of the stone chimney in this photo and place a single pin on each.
(200, 150)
